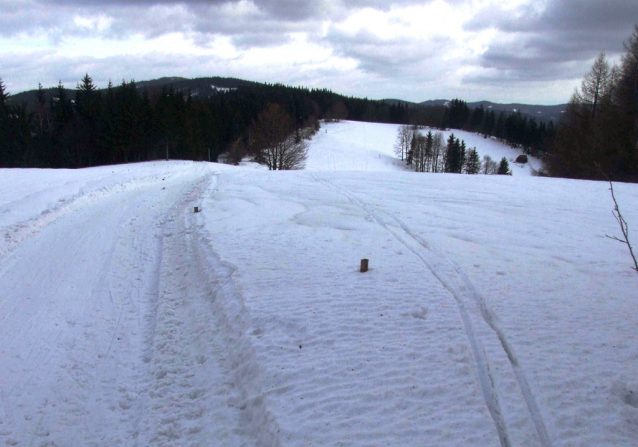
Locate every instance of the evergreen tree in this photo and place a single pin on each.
(473, 165)
(488, 123)
(429, 152)
(504, 167)
(450, 155)
(4, 96)
(462, 157)
(458, 114)
(41, 110)
(477, 119)
(87, 106)
(6, 136)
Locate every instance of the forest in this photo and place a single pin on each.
(598, 134)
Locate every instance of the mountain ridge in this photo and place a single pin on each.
(540, 112)
(207, 86)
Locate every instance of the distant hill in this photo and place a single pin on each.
(541, 113)
(199, 87)
(205, 87)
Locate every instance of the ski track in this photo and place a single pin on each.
(422, 250)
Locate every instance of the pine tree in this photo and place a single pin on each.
(488, 123)
(462, 157)
(473, 165)
(450, 154)
(4, 96)
(5, 128)
(429, 152)
(87, 106)
(504, 167)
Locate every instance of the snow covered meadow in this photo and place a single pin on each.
(495, 312)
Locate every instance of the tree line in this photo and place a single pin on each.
(514, 128)
(85, 126)
(599, 130)
(430, 153)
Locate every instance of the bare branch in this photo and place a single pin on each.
(616, 239)
(624, 228)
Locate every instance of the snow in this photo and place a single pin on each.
(495, 311)
(354, 146)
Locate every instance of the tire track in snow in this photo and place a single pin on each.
(203, 386)
(486, 379)
(233, 320)
(76, 318)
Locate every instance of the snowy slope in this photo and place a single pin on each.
(495, 312)
(357, 146)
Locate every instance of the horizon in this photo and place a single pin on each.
(181, 78)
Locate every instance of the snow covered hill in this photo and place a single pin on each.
(356, 146)
(495, 311)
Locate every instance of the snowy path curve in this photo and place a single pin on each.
(437, 264)
(16, 233)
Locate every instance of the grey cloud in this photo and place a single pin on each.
(268, 24)
(383, 57)
(286, 10)
(556, 42)
(591, 16)
(23, 72)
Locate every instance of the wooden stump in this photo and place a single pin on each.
(197, 209)
(364, 266)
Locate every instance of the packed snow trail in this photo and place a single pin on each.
(104, 337)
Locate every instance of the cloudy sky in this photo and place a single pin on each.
(533, 51)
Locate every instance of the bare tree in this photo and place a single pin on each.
(275, 142)
(624, 229)
(490, 167)
(596, 84)
(438, 146)
(337, 112)
(236, 151)
(402, 144)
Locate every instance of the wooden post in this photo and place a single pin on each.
(197, 209)
(364, 266)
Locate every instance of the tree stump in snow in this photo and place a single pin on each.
(196, 209)
(364, 266)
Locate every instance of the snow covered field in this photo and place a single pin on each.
(495, 311)
(354, 146)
